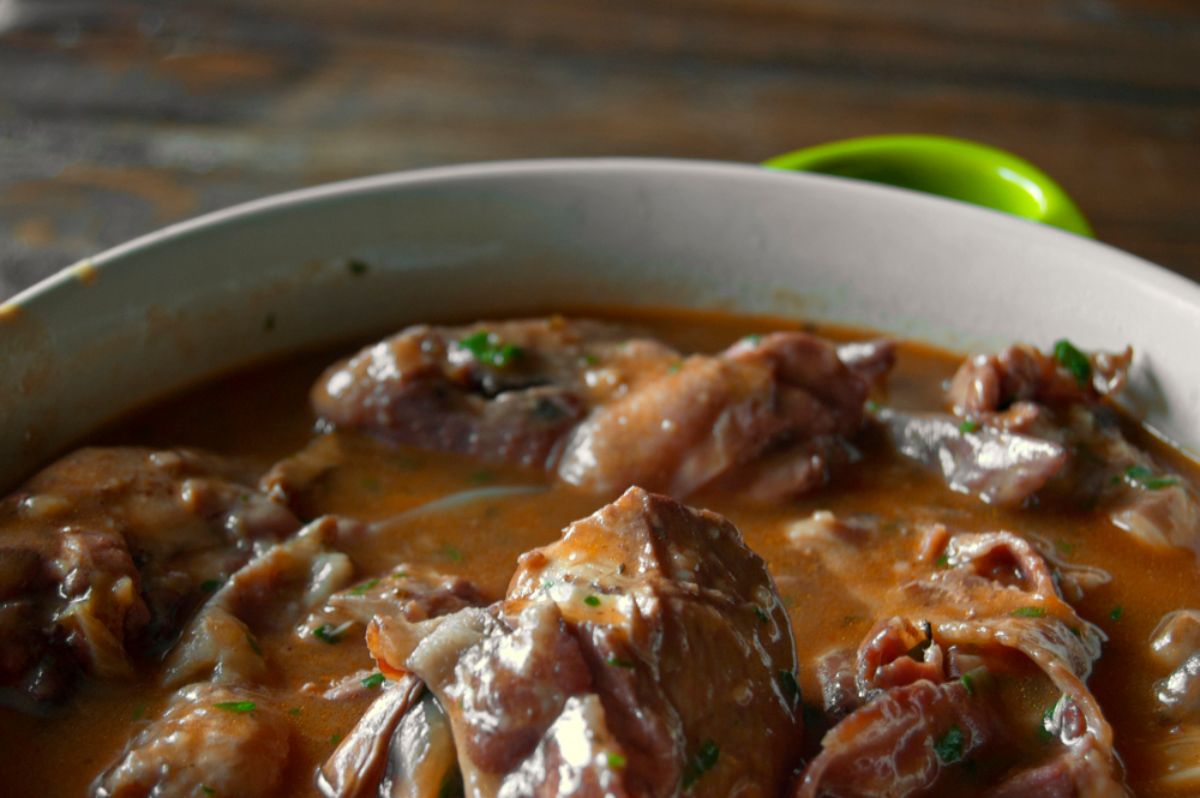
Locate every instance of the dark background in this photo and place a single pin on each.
(117, 118)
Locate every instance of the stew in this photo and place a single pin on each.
(642, 554)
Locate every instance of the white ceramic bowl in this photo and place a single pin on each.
(168, 309)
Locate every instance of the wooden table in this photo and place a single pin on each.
(119, 117)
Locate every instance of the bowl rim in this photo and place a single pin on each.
(1167, 282)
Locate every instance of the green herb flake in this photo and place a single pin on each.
(761, 614)
(1117, 612)
(139, 711)
(1044, 733)
(617, 662)
(357, 267)
(1139, 476)
(754, 339)
(1066, 546)
(872, 406)
(487, 348)
(592, 601)
(674, 367)
(210, 585)
(481, 476)
(1073, 361)
(452, 553)
(373, 681)
(330, 634)
(949, 747)
(253, 644)
(204, 788)
(1028, 612)
(362, 588)
(334, 739)
(968, 683)
(294, 712)
(943, 561)
(968, 425)
(240, 707)
(590, 360)
(789, 686)
(704, 760)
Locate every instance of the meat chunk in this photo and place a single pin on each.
(211, 741)
(622, 660)
(987, 384)
(108, 550)
(923, 701)
(272, 591)
(998, 466)
(898, 744)
(605, 411)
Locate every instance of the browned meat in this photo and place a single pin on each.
(898, 744)
(272, 591)
(923, 699)
(108, 551)
(211, 741)
(712, 416)
(987, 384)
(998, 466)
(606, 411)
(504, 391)
(623, 660)
(358, 765)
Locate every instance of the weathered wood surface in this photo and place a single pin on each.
(118, 117)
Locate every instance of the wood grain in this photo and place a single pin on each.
(118, 117)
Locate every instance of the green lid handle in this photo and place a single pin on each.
(955, 168)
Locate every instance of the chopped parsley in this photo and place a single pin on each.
(1073, 361)
(210, 585)
(674, 367)
(1139, 476)
(362, 588)
(617, 662)
(487, 348)
(139, 711)
(968, 425)
(943, 561)
(590, 360)
(789, 685)
(1066, 546)
(872, 406)
(761, 614)
(704, 760)
(452, 553)
(357, 267)
(592, 601)
(204, 788)
(482, 475)
(968, 683)
(330, 634)
(754, 339)
(294, 712)
(1028, 612)
(1117, 612)
(1044, 729)
(253, 644)
(949, 747)
(615, 760)
(373, 681)
(240, 707)
(335, 739)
